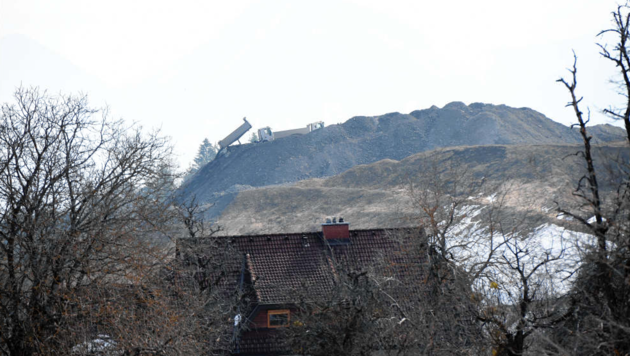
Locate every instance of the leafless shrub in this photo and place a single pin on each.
(600, 300)
(84, 210)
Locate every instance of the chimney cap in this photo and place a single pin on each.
(335, 221)
(336, 232)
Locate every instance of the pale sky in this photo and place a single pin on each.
(196, 68)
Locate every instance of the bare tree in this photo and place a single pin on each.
(191, 215)
(619, 56)
(439, 196)
(599, 323)
(483, 249)
(84, 204)
(526, 294)
(353, 319)
(212, 266)
(399, 304)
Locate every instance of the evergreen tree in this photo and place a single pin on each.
(206, 153)
(253, 138)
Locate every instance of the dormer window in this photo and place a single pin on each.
(278, 318)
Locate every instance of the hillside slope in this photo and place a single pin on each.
(534, 177)
(364, 140)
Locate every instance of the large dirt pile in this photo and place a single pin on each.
(531, 180)
(364, 140)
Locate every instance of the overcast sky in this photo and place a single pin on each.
(196, 68)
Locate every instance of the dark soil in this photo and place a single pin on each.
(363, 140)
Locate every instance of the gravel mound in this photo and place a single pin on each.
(363, 140)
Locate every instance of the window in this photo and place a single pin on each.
(278, 318)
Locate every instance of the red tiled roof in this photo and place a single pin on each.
(393, 252)
(282, 265)
(260, 342)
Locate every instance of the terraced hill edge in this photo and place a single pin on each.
(377, 195)
(363, 140)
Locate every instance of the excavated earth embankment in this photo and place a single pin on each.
(260, 179)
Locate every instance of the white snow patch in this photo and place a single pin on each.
(594, 219)
(102, 345)
(550, 253)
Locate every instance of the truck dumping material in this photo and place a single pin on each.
(363, 140)
(235, 135)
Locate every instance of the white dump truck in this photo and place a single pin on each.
(266, 134)
(235, 135)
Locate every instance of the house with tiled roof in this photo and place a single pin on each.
(276, 268)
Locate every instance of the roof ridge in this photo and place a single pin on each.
(299, 234)
(306, 233)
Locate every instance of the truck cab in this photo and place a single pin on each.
(315, 126)
(265, 134)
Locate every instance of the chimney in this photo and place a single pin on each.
(336, 232)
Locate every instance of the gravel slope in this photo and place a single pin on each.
(377, 194)
(363, 140)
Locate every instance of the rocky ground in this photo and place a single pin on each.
(362, 169)
(530, 179)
